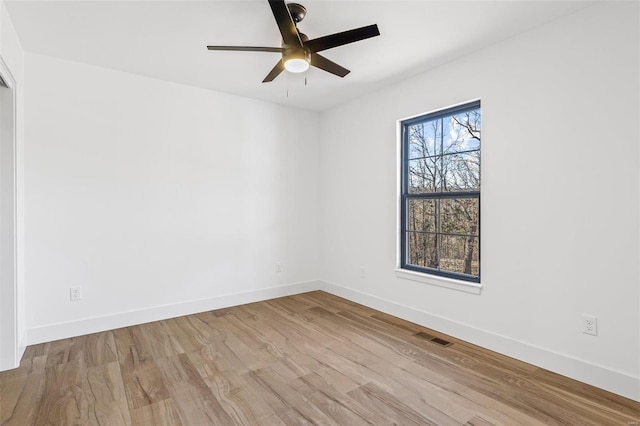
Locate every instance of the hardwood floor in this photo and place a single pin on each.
(309, 358)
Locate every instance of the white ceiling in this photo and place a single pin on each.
(167, 40)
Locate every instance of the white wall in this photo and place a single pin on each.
(13, 56)
(159, 199)
(560, 194)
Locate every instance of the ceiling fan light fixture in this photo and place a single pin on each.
(296, 65)
(296, 60)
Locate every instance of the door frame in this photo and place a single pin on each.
(10, 352)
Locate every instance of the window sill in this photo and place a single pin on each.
(464, 286)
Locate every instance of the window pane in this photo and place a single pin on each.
(449, 173)
(423, 138)
(461, 132)
(460, 254)
(422, 250)
(461, 172)
(460, 216)
(421, 215)
(424, 175)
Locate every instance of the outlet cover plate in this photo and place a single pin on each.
(590, 325)
(75, 293)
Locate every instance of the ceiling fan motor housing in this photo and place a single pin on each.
(296, 52)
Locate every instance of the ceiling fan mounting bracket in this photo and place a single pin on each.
(297, 11)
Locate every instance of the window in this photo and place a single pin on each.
(440, 193)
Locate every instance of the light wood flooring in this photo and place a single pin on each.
(310, 358)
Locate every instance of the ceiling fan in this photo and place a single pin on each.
(298, 52)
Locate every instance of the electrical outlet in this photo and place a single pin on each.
(278, 267)
(590, 325)
(363, 272)
(75, 293)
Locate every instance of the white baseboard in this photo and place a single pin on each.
(601, 377)
(14, 361)
(22, 345)
(90, 325)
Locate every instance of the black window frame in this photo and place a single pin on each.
(405, 195)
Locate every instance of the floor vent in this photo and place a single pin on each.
(433, 339)
(441, 342)
(425, 336)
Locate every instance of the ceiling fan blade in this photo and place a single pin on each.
(339, 39)
(323, 63)
(285, 23)
(246, 48)
(274, 72)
